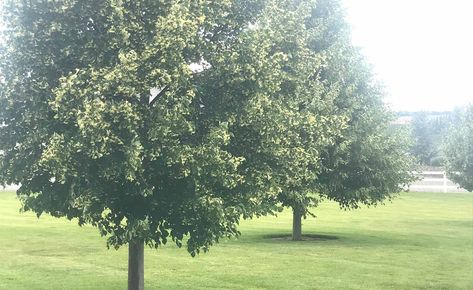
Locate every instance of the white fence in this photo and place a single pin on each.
(435, 181)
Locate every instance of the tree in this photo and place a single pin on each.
(104, 120)
(289, 118)
(291, 121)
(458, 150)
(370, 162)
(358, 159)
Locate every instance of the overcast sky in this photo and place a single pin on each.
(422, 50)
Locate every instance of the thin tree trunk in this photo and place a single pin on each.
(136, 266)
(296, 225)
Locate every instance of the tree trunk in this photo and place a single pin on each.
(296, 225)
(136, 266)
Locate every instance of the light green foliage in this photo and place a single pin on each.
(82, 137)
(458, 150)
(282, 111)
(289, 117)
(370, 162)
(351, 153)
(424, 235)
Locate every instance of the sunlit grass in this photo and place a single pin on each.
(420, 241)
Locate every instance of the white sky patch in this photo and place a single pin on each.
(200, 66)
(421, 50)
(153, 93)
(195, 67)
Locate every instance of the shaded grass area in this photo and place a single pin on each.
(420, 241)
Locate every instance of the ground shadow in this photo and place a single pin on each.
(305, 238)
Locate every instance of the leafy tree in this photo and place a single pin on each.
(458, 150)
(370, 162)
(364, 160)
(291, 121)
(103, 120)
(321, 124)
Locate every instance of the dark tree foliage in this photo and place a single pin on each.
(83, 139)
(104, 120)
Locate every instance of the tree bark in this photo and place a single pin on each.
(296, 225)
(136, 266)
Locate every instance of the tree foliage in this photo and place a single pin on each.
(363, 160)
(84, 136)
(294, 118)
(104, 119)
(458, 150)
(319, 128)
(370, 162)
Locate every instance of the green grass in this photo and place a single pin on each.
(420, 241)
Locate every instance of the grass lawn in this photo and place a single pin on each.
(420, 241)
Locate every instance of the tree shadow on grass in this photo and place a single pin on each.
(358, 239)
(413, 238)
(305, 237)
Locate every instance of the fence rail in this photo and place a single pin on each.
(439, 183)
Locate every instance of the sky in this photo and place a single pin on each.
(421, 50)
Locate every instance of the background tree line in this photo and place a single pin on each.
(429, 133)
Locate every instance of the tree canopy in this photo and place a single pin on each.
(83, 139)
(105, 120)
(363, 160)
(161, 120)
(293, 119)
